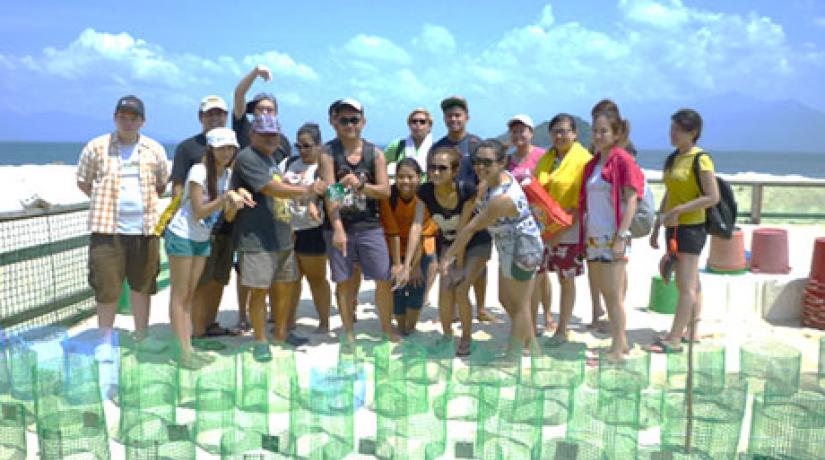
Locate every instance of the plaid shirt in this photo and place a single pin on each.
(99, 166)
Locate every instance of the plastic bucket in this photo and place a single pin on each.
(664, 298)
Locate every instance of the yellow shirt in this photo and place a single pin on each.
(563, 182)
(682, 186)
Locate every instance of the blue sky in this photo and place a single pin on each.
(534, 57)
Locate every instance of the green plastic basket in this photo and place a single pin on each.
(773, 365)
(12, 431)
(5, 373)
(821, 370)
(708, 368)
(147, 388)
(249, 444)
(406, 425)
(156, 438)
(792, 427)
(717, 421)
(604, 423)
(632, 374)
(216, 393)
(254, 391)
(664, 298)
(321, 416)
(513, 429)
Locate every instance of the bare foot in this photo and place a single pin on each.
(614, 357)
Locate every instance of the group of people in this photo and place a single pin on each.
(242, 199)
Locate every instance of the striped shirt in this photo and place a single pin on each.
(99, 166)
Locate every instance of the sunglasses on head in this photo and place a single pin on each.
(303, 146)
(439, 168)
(486, 162)
(418, 121)
(345, 121)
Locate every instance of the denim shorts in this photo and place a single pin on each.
(411, 297)
(184, 247)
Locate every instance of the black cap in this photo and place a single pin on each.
(132, 104)
(250, 106)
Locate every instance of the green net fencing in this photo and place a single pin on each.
(708, 368)
(717, 422)
(215, 399)
(789, 427)
(604, 423)
(43, 267)
(321, 417)
(240, 444)
(514, 428)
(821, 368)
(154, 437)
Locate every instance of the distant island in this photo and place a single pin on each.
(541, 134)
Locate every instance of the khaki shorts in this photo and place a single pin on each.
(260, 269)
(115, 257)
(219, 263)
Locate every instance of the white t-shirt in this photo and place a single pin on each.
(184, 224)
(129, 198)
(300, 173)
(600, 213)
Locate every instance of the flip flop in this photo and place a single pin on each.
(661, 346)
(463, 348)
(556, 341)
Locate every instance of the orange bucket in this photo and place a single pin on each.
(769, 251)
(818, 261)
(727, 255)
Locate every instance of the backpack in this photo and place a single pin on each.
(720, 220)
(642, 222)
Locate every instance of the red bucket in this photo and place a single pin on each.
(769, 251)
(818, 261)
(727, 255)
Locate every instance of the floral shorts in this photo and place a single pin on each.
(600, 249)
(564, 260)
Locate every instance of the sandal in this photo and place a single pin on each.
(261, 352)
(205, 344)
(662, 346)
(215, 330)
(243, 326)
(557, 340)
(485, 317)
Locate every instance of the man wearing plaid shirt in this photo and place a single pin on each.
(123, 173)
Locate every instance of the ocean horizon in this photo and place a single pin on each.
(805, 164)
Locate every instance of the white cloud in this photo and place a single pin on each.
(376, 48)
(435, 40)
(656, 14)
(819, 21)
(281, 65)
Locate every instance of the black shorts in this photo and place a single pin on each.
(689, 238)
(310, 242)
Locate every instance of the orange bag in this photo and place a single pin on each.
(550, 216)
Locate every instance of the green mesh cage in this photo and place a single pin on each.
(717, 420)
(239, 444)
(5, 373)
(770, 366)
(474, 387)
(254, 395)
(147, 389)
(708, 368)
(557, 370)
(791, 427)
(215, 397)
(321, 416)
(631, 374)
(604, 423)
(821, 370)
(70, 420)
(12, 431)
(156, 438)
(406, 425)
(513, 429)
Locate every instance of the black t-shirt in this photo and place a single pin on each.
(448, 219)
(187, 153)
(241, 127)
(367, 216)
(257, 229)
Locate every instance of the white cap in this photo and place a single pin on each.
(350, 102)
(219, 137)
(521, 118)
(213, 102)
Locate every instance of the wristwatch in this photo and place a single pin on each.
(624, 235)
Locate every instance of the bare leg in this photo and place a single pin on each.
(446, 307)
(315, 270)
(140, 309)
(343, 291)
(595, 299)
(295, 299)
(480, 290)
(432, 272)
(566, 302)
(511, 294)
(205, 304)
(243, 302)
(687, 280)
(280, 298)
(257, 312)
(609, 282)
(383, 302)
(184, 273)
(474, 267)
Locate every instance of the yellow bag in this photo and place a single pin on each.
(167, 215)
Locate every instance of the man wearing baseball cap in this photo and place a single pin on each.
(456, 115)
(263, 235)
(261, 103)
(123, 174)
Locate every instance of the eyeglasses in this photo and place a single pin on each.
(345, 121)
(439, 168)
(264, 109)
(303, 146)
(560, 131)
(418, 121)
(486, 162)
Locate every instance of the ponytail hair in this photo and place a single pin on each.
(211, 174)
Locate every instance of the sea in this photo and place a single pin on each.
(811, 165)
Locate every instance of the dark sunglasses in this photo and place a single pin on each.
(303, 146)
(439, 168)
(486, 162)
(418, 121)
(344, 121)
